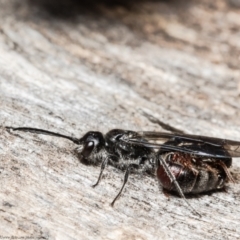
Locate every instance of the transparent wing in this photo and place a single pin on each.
(193, 144)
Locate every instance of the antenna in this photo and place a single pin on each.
(42, 131)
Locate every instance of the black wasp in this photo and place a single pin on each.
(183, 163)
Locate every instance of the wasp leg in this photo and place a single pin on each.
(126, 175)
(174, 180)
(103, 165)
(227, 172)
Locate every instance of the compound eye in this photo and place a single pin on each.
(88, 148)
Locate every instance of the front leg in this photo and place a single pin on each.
(103, 165)
(107, 160)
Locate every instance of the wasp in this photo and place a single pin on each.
(183, 163)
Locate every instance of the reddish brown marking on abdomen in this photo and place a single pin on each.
(192, 174)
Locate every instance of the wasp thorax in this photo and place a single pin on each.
(90, 145)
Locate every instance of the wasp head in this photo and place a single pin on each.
(91, 145)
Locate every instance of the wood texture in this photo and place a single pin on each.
(71, 67)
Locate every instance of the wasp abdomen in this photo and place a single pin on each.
(192, 175)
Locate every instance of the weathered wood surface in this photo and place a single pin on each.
(71, 67)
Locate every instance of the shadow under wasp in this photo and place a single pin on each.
(183, 163)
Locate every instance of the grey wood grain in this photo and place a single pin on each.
(71, 67)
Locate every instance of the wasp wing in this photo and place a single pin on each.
(193, 144)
